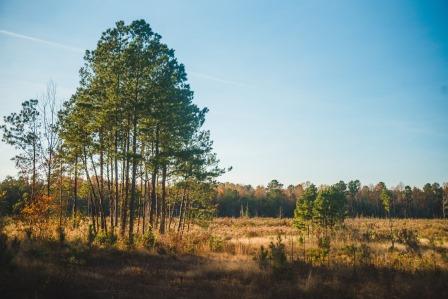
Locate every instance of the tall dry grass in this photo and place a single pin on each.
(217, 260)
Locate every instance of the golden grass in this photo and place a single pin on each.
(217, 261)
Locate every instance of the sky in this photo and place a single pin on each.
(298, 91)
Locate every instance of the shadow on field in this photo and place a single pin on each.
(47, 269)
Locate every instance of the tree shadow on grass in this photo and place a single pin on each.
(47, 269)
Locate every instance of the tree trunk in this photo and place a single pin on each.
(100, 193)
(75, 193)
(33, 186)
(163, 203)
(92, 214)
(182, 209)
(110, 186)
(187, 215)
(116, 178)
(153, 181)
(124, 204)
(145, 195)
(49, 172)
(92, 188)
(60, 193)
(134, 178)
(101, 186)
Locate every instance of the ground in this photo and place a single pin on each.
(217, 261)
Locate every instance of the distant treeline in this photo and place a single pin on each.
(275, 200)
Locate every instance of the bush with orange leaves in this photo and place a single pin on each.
(36, 214)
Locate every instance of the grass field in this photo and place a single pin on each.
(219, 260)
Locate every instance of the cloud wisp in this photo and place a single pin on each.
(220, 80)
(42, 41)
(79, 50)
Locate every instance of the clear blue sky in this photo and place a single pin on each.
(297, 90)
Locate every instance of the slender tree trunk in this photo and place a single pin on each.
(116, 178)
(50, 159)
(101, 186)
(60, 193)
(124, 205)
(140, 199)
(100, 193)
(110, 189)
(145, 202)
(92, 188)
(172, 208)
(163, 203)
(182, 209)
(33, 185)
(134, 178)
(139, 211)
(187, 218)
(157, 203)
(75, 193)
(92, 214)
(153, 181)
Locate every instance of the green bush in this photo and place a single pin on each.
(262, 258)
(324, 244)
(216, 243)
(314, 256)
(277, 256)
(149, 239)
(106, 239)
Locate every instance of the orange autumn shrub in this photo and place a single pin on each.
(36, 214)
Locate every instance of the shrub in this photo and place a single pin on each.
(105, 239)
(275, 257)
(149, 239)
(262, 258)
(409, 238)
(61, 234)
(350, 251)
(365, 254)
(36, 213)
(324, 244)
(369, 234)
(216, 243)
(278, 256)
(90, 236)
(314, 255)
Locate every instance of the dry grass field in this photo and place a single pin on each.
(219, 260)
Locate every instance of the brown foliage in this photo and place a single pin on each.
(37, 212)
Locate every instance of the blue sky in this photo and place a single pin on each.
(297, 90)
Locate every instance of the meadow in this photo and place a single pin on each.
(223, 259)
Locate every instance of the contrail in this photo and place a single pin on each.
(78, 50)
(220, 80)
(42, 41)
